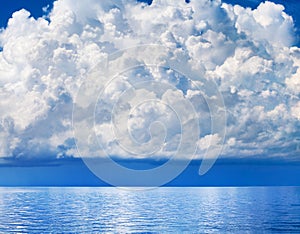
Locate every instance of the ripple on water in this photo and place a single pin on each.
(159, 210)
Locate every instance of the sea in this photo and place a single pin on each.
(145, 210)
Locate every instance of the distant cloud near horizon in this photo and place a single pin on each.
(249, 54)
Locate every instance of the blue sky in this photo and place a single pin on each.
(251, 57)
(35, 7)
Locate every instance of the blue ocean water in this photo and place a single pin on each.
(192, 210)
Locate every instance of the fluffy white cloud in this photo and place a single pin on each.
(249, 54)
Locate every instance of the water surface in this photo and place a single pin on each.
(206, 210)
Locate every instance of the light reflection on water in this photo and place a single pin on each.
(205, 210)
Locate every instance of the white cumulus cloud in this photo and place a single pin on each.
(247, 54)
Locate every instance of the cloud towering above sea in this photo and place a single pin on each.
(250, 54)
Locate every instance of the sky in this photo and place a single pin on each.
(36, 8)
(132, 81)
